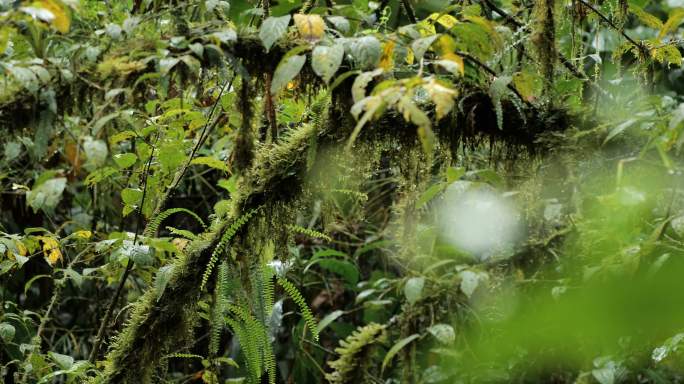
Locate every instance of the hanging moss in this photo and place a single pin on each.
(544, 38)
(244, 142)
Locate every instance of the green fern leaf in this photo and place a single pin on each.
(297, 297)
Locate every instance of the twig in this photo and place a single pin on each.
(489, 70)
(409, 11)
(603, 17)
(127, 272)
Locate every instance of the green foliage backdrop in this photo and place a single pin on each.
(344, 191)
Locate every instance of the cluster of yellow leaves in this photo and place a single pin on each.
(51, 250)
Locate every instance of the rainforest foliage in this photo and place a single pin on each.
(343, 191)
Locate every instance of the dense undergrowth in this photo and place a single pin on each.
(345, 191)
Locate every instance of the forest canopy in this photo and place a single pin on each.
(342, 191)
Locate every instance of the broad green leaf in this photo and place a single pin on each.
(125, 160)
(96, 152)
(469, 282)
(12, 150)
(396, 348)
(171, 156)
(121, 136)
(47, 195)
(167, 63)
(287, 69)
(340, 22)
(162, 279)
(343, 268)
(226, 36)
(99, 175)
(619, 129)
(420, 46)
(413, 290)
(329, 318)
(430, 194)
(272, 29)
(131, 196)
(366, 52)
(453, 174)
(326, 60)
(76, 277)
(7, 332)
(444, 333)
(63, 361)
(138, 253)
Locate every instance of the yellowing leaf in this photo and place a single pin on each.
(452, 63)
(426, 28)
(387, 59)
(310, 27)
(444, 19)
(442, 96)
(51, 250)
(410, 58)
(61, 20)
(527, 84)
(444, 45)
(83, 234)
(21, 248)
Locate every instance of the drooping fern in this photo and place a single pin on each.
(309, 232)
(353, 350)
(153, 226)
(297, 297)
(221, 293)
(255, 344)
(268, 291)
(225, 238)
(182, 232)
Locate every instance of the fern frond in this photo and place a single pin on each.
(182, 232)
(153, 226)
(349, 192)
(183, 356)
(353, 350)
(221, 293)
(268, 290)
(297, 297)
(309, 232)
(254, 341)
(248, 348)
(225, 238)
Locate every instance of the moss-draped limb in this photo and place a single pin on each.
(158, 317)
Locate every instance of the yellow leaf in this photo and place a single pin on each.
(62, 18)
(426, 28)
(21, 248)
(444, 45)
(51, 250)
(442, 96)
(387, 60)
(310, 27)
(83, 234)
(444, 19)
(410, 58)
